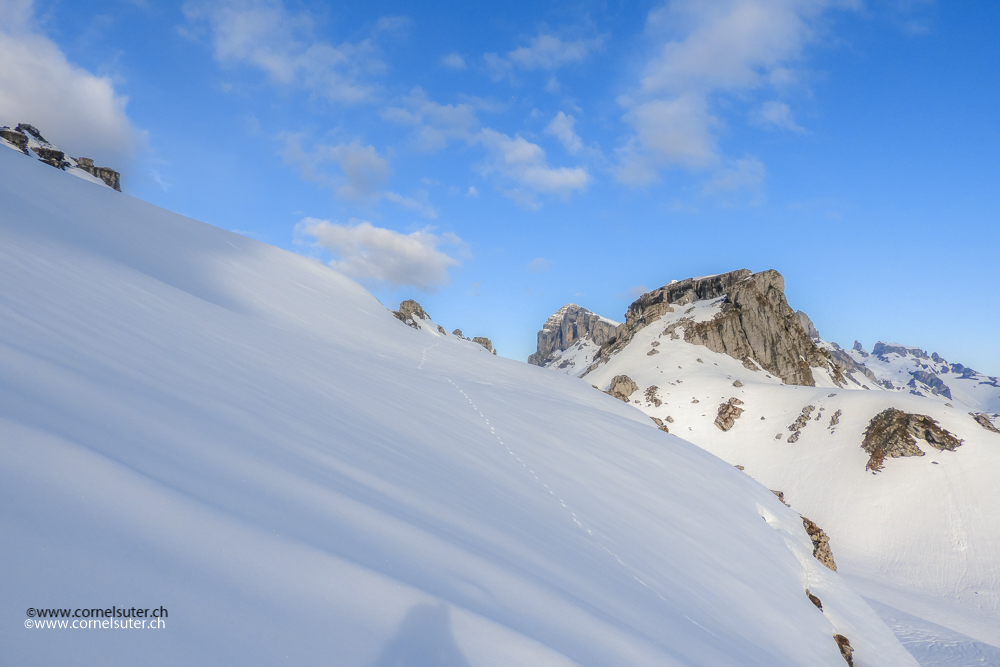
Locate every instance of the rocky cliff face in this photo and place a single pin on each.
(413, 315)
(755, 323)
(27, 139)
(565, 327)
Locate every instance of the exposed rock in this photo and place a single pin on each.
(18, 139)
(52, 156)
(883, 350)
(933, 382)
(739, 467)
(622, 387)
(756, 324)
(845, 649)
(441, 330)
(651, 396)
(652, 352)
(794, 437)
(847, 366)
(568, 325)
(485, 342)
(835, 419)
(891, 433)
(815, 600)
(106, 174)
(729, 412)
(737, 383)
(781, 497)
(458, 332)
(807, 324)
(984, 420)
(860, 348)
(821, 544)
(27, 137)
(670, 419)
(803, 418)
(660, 425)
(409, 313)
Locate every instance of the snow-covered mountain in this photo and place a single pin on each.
(193, 420)
(902, 476)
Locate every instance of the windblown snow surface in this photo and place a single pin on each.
(922, 536)
(195, 420)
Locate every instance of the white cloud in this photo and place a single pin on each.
(539, 265)
(453, 61)
(74, 109)
(707, 49)
(514, 160)
(551, 52)
(524, 163)
(543, 52)
(383, 256)
(774, 115)
(363, 173)
(265, 35)
(561, 127)
(746, 173)
(435, 123)
(553, 86)
(472, 191)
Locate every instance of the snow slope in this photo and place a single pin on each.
(195, 420)
(922, 535)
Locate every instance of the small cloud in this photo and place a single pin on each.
(553, 86)
(364, 171)
(429, 181)
(474, 290)
(393, 23)
(561, 127)
(551, 52)
(453, 61)
(418, 205)
(774, 115)
(539, 265)
(633, 292)
(472, 192)
(746, 173)
(383, 256)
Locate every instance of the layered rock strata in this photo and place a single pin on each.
(565, 327)
(755, 324)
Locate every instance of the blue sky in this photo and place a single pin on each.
(495, 162)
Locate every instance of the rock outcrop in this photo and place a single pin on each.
(983, 420)
(892, 433)
(729, 412)
(485, 342)
(27, 139)
(413, 315)
(844, 644)
(410, 313)
(755, 324)
(821, 544)
(565, 327)
(622, 386)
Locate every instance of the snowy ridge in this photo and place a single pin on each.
(200, 421)
(919, 530)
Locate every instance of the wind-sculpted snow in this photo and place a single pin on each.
(195, 420)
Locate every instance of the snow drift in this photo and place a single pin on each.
(195, 420)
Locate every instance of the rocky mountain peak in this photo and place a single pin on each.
(755, 324)
(29, 140)
(565, 327)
